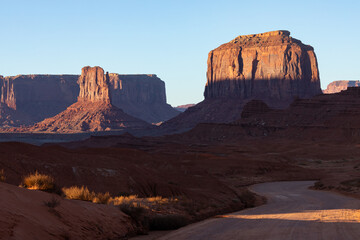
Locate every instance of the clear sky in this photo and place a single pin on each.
(169, 38)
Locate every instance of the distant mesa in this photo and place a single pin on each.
(92, 112)
(338, 86)
(27, 99)
(272, 67)
(182, 108)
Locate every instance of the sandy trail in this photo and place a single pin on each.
(292, 212)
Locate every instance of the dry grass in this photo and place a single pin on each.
(2, 175)
(148, 203)
(84, 194)
(38, 181)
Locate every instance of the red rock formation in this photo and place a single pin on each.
(92, 112)
(33, 98)
(94, 85)
(262, 66)
(272, 67)
(338, 86)
(182, 108)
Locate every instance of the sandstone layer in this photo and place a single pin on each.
(338, 86)
(92, 112)
(31, 98)
(272, 66)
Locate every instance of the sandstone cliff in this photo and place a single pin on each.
(27, 99)
(142, 96)
(32, 98)
(338, 86)
(272, 67)
(92, 112)
(94, 85)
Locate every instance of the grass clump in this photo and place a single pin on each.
(38, 181)
(84, 194)
(2, 175)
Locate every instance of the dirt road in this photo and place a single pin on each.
(292, 212)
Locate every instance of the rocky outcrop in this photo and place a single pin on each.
(272, 67)
(94, 85)
(92, 112)
(338, 86)
(27, 99)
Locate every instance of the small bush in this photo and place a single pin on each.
(2, 175)
(52, 203)
(135, 211)
(83, 193)
(167, 222)
(39, 181)
(77, 193)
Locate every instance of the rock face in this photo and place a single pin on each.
(31, 98)
(142, 96)
(272, 67)
(338, 86)
(94, 85)
(26, 99)
(92, 112)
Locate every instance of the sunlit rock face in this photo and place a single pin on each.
(94, 85)
(338, 86)
(269, 65)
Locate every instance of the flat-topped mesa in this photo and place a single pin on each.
(263, 66)
(94, 85)
(338, 86)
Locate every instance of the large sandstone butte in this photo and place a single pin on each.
(272, 67)
(338, 86)
(92, 112)
(27, 99)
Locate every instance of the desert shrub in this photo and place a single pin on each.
(102, 198)
(39, 181)
(2, 175)
(167, 222)
(52, 203)
(79, 193)
(84, 194)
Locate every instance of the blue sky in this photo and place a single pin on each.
(169, 38)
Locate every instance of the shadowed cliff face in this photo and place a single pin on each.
(269, 65)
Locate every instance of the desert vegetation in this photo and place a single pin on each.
(38, 181)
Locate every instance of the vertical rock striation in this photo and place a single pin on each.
(272, 66)
(94, 85)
